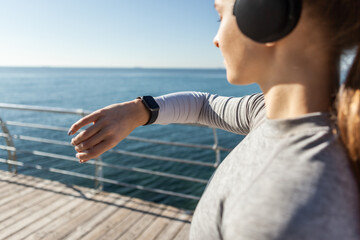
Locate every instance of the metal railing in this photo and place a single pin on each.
(13, 160)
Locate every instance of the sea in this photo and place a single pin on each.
(93, 88)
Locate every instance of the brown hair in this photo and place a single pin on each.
(341, 19)
(349, 114)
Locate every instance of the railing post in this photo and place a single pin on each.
(216, 148)
(98, 174)
(9, 143)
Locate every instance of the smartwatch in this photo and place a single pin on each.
(152, 106)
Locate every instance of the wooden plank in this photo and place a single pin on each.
(4, 178)
(5, 190)
(18, 198)
(136, 229)
(3, 182)
(183, 233)
(34, 208)
(52, 186)
(22, 181)
(17, 213)
(6, 175)
(159, 224)
(14, 188)
(124, 224)
(42, 210)
(17, 202)
(67, 227)
(173, 227)
(45, 220)
(101, 229)
(72, 201)
(111, 206)
(40, 203)
(29, 181)
(48, 203)
(62, 219)
(17, 178)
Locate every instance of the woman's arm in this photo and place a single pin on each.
(115, 122)
(238, 115)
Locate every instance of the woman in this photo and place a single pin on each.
(294, 175)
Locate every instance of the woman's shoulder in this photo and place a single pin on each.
(256, 106)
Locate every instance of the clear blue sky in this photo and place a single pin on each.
(109, 33)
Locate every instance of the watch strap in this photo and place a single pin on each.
(150, 103)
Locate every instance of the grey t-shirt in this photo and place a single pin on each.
(288, 179)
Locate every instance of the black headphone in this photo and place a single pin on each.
(267, 20)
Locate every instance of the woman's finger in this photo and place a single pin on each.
(93, 141)
(93, 117)
(88, 133)
(95, 151)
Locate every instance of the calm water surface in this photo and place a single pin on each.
(91, 89)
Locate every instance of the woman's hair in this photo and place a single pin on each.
(349, 113)
(341, 19)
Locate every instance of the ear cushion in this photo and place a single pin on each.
(267, 20)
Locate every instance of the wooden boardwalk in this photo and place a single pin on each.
(34, 208)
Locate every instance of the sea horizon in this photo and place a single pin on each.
(119, 67)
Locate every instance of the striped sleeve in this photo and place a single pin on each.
(238, 115)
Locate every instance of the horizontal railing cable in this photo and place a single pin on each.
(139, 139)
(41, 140)
(37, 126)
(179, 144)
(127, 153)
(92, 162)
(81, 175)
(80, 112)
(133, 154)
(168, 159)
(98, 162)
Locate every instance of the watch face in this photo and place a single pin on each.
(151, 102)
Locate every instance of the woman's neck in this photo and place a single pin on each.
(303, 74)
(295, 100)
(303, 86)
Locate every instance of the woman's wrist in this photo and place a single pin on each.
(142, 114)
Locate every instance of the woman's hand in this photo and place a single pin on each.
(110, 126)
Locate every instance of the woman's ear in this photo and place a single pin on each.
(270, 44)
